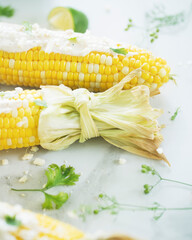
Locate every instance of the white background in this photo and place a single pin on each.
(95, 159)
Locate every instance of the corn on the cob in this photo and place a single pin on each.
(46, 61)
(19, 224)
(123, 118)
(19, 116)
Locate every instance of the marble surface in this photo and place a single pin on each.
(95, 159)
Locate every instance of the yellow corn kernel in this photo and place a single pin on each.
(137, 63)
(107, 70)
(145, 75)
(145, 67)
(84, 67)
(57, 65)
(73, 67)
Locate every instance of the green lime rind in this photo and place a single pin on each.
(80, 20)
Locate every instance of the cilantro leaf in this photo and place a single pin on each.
(40, 103)
(12, 221)
(6, 11)
(54, 201)
(59, 176)
(119, 50)
(28, 26)
(73, 39)
(175, 114)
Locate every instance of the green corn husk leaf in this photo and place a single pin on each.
(123, 118)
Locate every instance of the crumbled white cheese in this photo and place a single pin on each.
(27, 156)
(39, 161)
(34, 149)
(23, 195)
(121, 161)
(14, 39)
(23, 179)
(4, 162)
(160, 150)
(71, 214)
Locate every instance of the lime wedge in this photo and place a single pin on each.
(68, 18)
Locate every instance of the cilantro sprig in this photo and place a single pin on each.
(148, 188)
(122, 51)
(6, 11)
(158, 19)
(112, 206)
(11, 220)
(56, 176)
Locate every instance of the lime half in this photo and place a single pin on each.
(68, 18)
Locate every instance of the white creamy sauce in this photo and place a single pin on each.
(14, 38)
(10, 105)
(27, 219)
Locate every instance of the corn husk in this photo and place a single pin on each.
(123, 118)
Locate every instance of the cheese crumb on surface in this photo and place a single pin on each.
(23, 179)
(34, 149)
(39, 161)
(27, 156)
(4, 162)
(71, 214)
(23, 195)
(121, 161)
(160, 150)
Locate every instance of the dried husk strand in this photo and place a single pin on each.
(123, 118)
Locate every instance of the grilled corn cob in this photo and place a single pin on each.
(19, 116)
(19, 224)
(56, 117)
(33, 56)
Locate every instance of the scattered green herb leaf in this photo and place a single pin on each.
(2, 94)
(154, 35)
(172, 77)
(148, 188)
(175, 114)
(112, 206)
(129, 25)
(40, 103)
(12, 221)
(55, 201)
(28, 26)
(73, 39)
(119, 50)
(6, 11)
(56, 176)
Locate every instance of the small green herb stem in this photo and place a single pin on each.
(130, 207)
(27, 190)
(175, 181)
